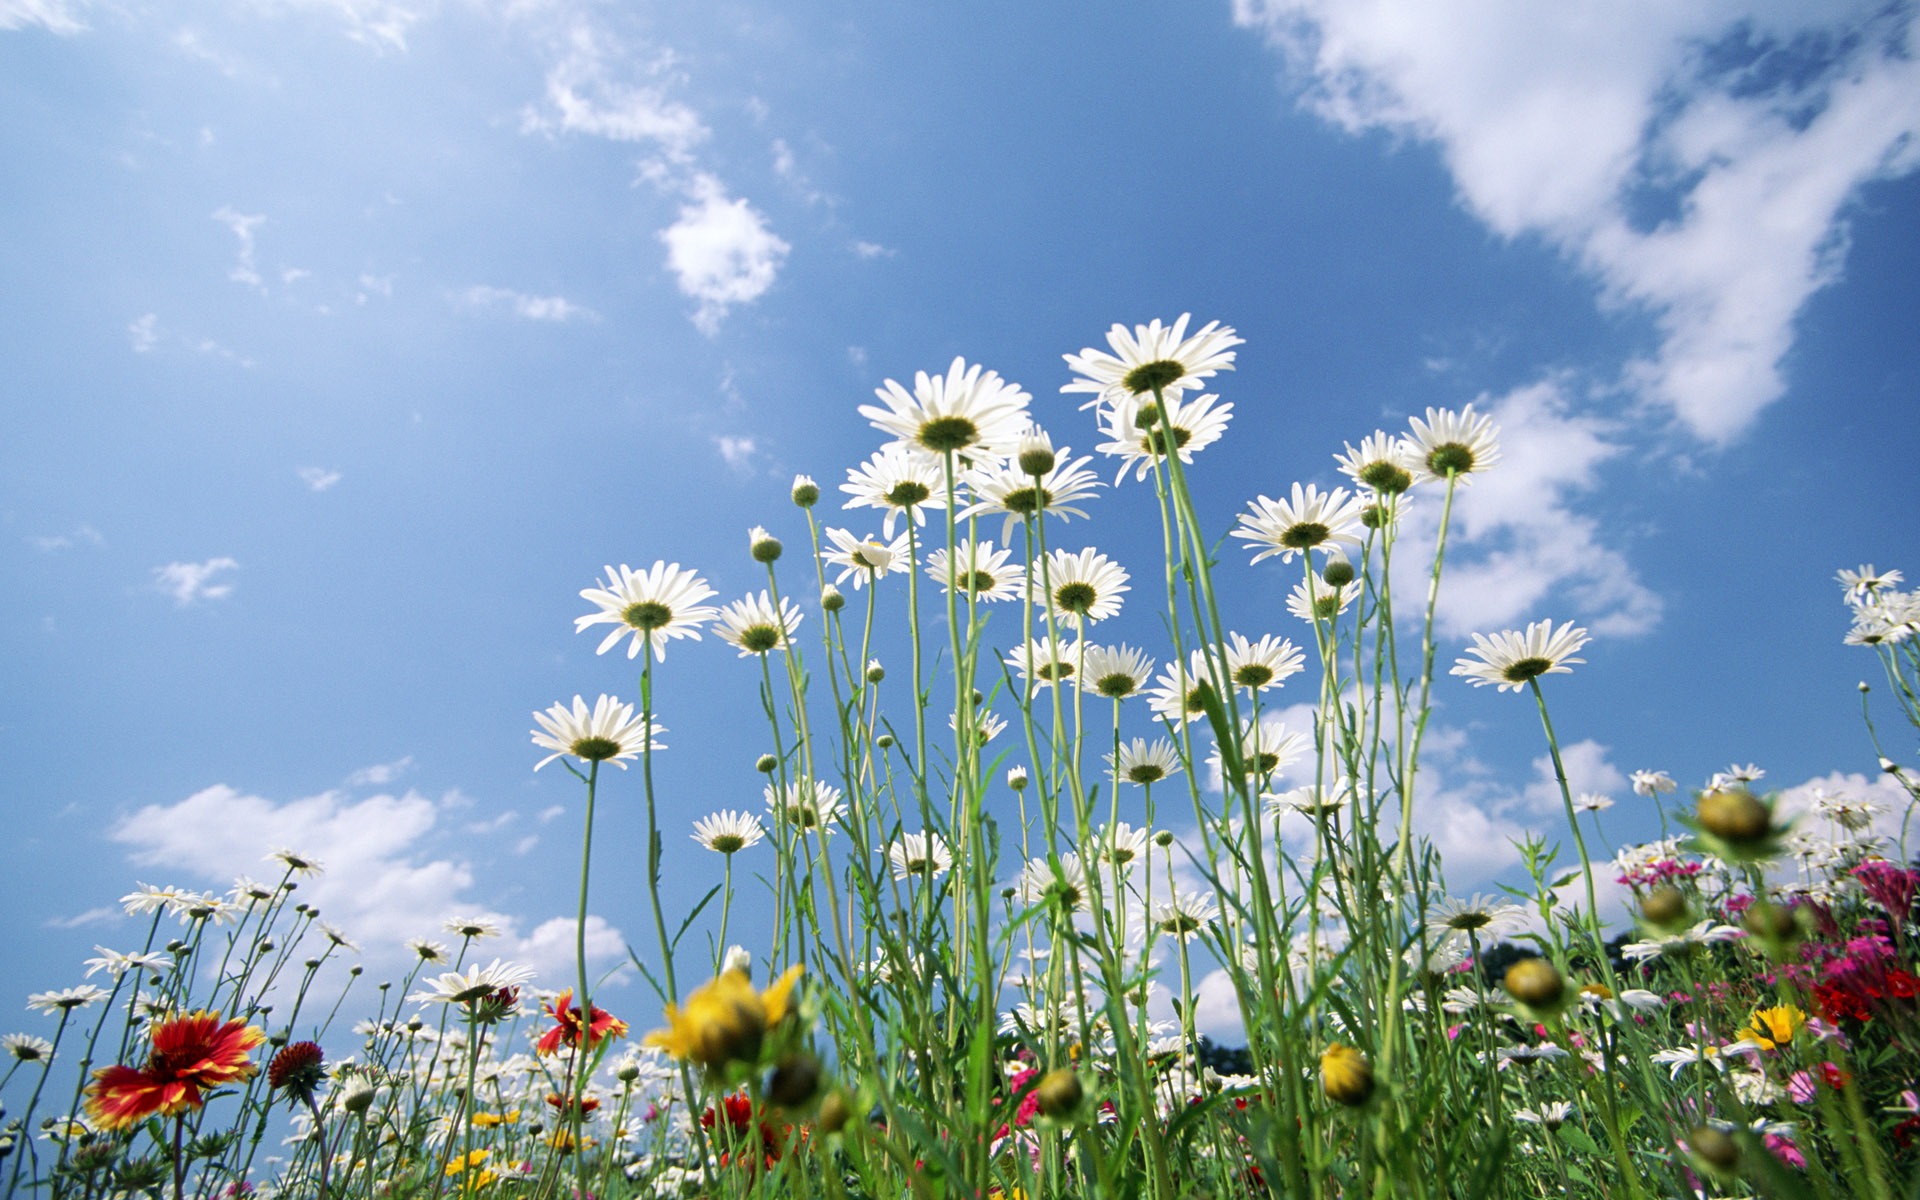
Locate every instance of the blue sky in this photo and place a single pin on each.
(350, 339)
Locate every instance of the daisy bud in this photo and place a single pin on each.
(1889, 766)
(1735, 816)
(1059, 1093)
(884, 741)
(1037, 460)
(628, 1072)
(1535, 983)
(737, 959)
(831, 600)
(1713, 1148)
(834, 1114)
(1345, 1075)
(359, 1100)
(1864, 689)
(1338, 572)
(1163, 838)
(1374, 516)
(805, 491)
(1665, 907)
(1017, 778)
(875, 672)
(764, 547)
(766, 764)
(795, 1081)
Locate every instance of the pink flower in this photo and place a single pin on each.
(1800, 1087)
(1785, 1151)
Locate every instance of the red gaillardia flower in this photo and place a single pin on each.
(192, 1055)
(566, 1031)
(299, 1069)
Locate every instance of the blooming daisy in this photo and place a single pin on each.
(1323, 602)
(1703, 933)
(1135, 437)
(652, 606)
(1182, 696)
(474, 983)
(1452, 444)
(1264, 748)
(1309, 518)
(1379, 464)
(1039, 879)
(987, 725)
(896, 480)
(923, 854)
(1592, 802)
(1115, 672)
(754, 625)
(1864, 581)
(977, 569)
(609, 732)
(67, 999)
(1153, 356)
(1120, 844)
(806, 804)
(427, 950)
(969, 412)
(252, 891)
(1044, 661)
(1080, 586)
(192, 1055)
(1144, 762)
(1484, 917)
(25, 1047)
(1511, 659)
(1651, 783)
(118, 963)
(1018, 494)
(1552, 1114)
(1713, 1056)
(150, 899)
(1734, 776)
(1260, 665)
(728, 832)
(297, 863)
(1185, 915)
(865, 558)
(472, 927)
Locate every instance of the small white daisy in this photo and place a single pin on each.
(1115, 672)
(1380, 464)
(1864, 581)
(1452, 444)
(969, 412)
(1080, 586)
(1260, 665)
(1263, 748)
(897, 481)
(1038, 880)
(1186, 915)
(1182, 695)
(1017, 494)
(1135, 437)
(472, 927)
(1513, 658)
(976, 568)
(67, 999)
(652, 607)
(865, 558)
(1308, 519)
(609, 732)
(474, 983)
(1652, 783)
(1592, 802)
(1482, 916)
(1044, 661)
(919, 854)
(728, 832)
(1324, 602)
(1144, 762)
(1152, 356)
(752, 624)
(25, 1047)
(806, 804)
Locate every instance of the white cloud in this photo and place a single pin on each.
(1588, 770)
(872, 250)
(1696, 159)
(737, 451)
(532, 308)
(380, 24)
(143, 333)
(189, 583)
(549, 949)
(319, 478)
(245, 269)
(380, 774)
(1516, 541)
(374, 285)
(721, 251)
(584, 97)
(85, 535)
(104, 915)
(56, 16)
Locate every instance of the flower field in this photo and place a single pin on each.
(997, 872)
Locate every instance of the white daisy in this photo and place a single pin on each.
(1552, 1114)
(1485, 917)
(728, 832)
(1120, 844)
(1264, 748)
(609, 732)
(1153, 355)
(1044, 661)
(969, 411)
(978, 569)
(67, 999)
(1512, 658)
(1704, 933)
(1182, 696)
(1713, 1056)
(1380, 464)
(1134, 435)
(474, 983)
(1038, 880)
(1592, 802)
(987, 725)
(1651, 783)
(25, 1047)
(472, 927)
(1260, 665)
(1017, 494)
(1734, 776)
(1115, 672)
(806, 804)
(1143, 762)
(427, 950)
(1080, 586)
(865, 558)
(752, 624)
(1324, 602)
(117, 963)
(1457, 444)
(896, 481)
(652, 606)
(1185, 915)
(150, 899)
(922, 854)
(1308, 519)
(304, 865)
(1864, 581)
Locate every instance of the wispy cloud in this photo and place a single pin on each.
(56, 16)
(84, 535)
(104, 915)
(380, 774)
(143, 333)
(721, 251)
(585, 95)
(318, 479)
(520, 304)
(736, 451)
(191, 583)
(1696, 160)
(245, 268)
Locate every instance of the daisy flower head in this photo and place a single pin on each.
(728, 832)
(1142, 762)
(1151, 357)
(67, 999)
(806, 804)
(919, 854)
(976, 569)
(608, 732)
(1115, 672)
(1008, 491)
(1135, 435)
(117, 963)
(862, 559)
(1260, 665)
(987, 725)
(427, 950)
(148, 898)
(1381, 464)
(1045, 661)
(969, 412)
(192, 1055)
(25, 1047)
(1513, 658)
(755, 626)
(472, 927)
(1263, 747)
(1482, 917)
(473, 984)
(1080, 586)
(1182, 695)
(652, 607)
(896, 480)
(304, 865)
(1592, 802)
(1321, 602)
(1863, 581)
(1120, 844)
(1452, 445)
(1306, 520)
(1039, 880)
(1186, 915)
(1652, 783)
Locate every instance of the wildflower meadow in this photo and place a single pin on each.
(957, 950)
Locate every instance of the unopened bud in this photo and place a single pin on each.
(764, 547)
(1735, 816)
(805, 491)
(1017, 778)
(1338, 572)
(1535, 983)
(794, 1082)
(875, 672)
(766, 764)
(1059, 1093)
(831, 599)
(1665, 907)
(1345, 1075)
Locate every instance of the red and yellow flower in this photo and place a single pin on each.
(566, 1029)
(192, 1055)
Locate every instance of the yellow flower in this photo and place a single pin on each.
(1345, 1075)
(487, 1120)
(461, 1163)
(724, 1021)
(1772, 1028)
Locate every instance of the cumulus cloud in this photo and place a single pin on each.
(1696, 159)
(584, 95)
(549, 949)
(319, 478)
(380, 774)
(736, 451)
(85, 535)
(191, 583)
(532, 308)
(246, 267)
(721, 251)
(56, 16)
